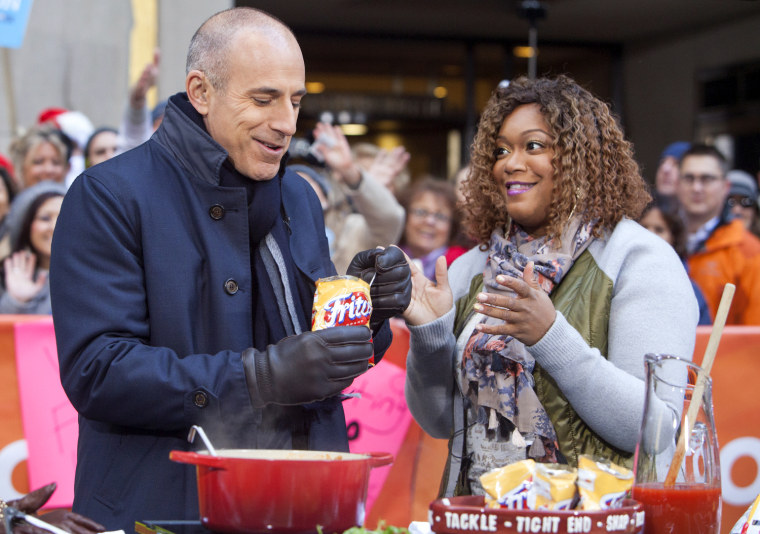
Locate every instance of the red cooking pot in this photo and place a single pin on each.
(252, 491)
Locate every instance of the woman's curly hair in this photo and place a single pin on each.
(595, 174)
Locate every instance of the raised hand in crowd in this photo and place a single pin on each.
(333, 146)
(20, 280)
(137, 124)
(147, 79)
(388, 164)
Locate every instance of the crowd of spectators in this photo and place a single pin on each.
(706, 212)
(717, 206)
(370, 199)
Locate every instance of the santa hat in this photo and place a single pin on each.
(74, 124)
(49, 115)
(7, 165)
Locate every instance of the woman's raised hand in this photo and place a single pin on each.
(19, 276)
(526, 316)
(430, 300)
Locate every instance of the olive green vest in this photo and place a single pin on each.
(583, 297)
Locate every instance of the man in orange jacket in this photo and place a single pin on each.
(720, 249)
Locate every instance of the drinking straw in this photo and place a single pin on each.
(699, 388)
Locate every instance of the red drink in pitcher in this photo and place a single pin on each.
(680, 508)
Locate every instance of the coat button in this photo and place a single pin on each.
(200, 399)
(231, 287)
(216, 211)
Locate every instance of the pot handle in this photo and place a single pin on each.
(379, 459)
(189, 457)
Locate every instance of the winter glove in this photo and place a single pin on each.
(307, 367)
(391, 290)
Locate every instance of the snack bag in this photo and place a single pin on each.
(508, 486)
(749, 523)
(341, 301)
(601, 483)
(553, 487)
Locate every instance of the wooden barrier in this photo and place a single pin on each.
(413, 479)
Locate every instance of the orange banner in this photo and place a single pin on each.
(412, 481)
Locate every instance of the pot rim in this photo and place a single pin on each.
(224, 456)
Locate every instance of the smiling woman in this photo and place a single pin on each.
(540, 325)
(25, 282)
(431, 222)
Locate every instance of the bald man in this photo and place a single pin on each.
(182, 279)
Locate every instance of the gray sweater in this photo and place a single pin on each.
(653, 310)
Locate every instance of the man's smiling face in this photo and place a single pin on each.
(254, 115)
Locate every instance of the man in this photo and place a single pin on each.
(719, 250)
(182, 278)
(742, 198)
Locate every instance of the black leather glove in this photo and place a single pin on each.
(391, 290)
(308, 367)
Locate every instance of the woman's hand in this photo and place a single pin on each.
(429, 300)
(527, 316)
(19, 276)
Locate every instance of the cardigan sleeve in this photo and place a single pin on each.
(430, 365)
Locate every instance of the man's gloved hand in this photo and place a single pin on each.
(391, 290)
(308, 367)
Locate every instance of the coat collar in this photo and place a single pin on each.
(182, 133)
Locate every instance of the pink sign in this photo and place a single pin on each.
(379, 420)
(49, 419)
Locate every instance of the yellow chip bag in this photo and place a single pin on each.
(341, 301)
(509, 485)
(601, 483)
(553, 487)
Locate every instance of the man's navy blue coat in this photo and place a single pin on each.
(150, 280)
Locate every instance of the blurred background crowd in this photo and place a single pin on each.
(395, 89)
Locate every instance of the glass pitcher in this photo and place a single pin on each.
(678, 483)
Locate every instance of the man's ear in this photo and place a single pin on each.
(198, 88)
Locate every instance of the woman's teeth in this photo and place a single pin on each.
(515, 188)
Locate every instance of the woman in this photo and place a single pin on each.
(663, 217)
(26, 287)
(39, 155)
(532, 345)
(102, 145)
(431, 223)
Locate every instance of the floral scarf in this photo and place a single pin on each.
(497, 369)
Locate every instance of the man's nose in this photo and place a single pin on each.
(285, 118)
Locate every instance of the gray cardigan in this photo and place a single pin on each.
(653, 310)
